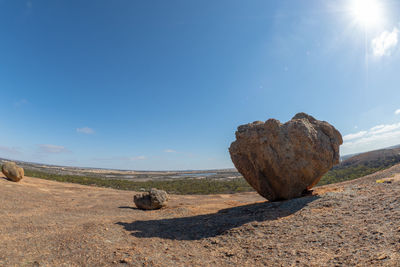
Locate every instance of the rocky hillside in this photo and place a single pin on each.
(362, 164)
(375, 158)
(47, 223)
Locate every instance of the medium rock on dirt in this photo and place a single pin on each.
(12, 171)
(154, 199)
(280, 161)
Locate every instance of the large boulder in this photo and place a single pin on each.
(281, 161)
(12, 171)
(152, 200)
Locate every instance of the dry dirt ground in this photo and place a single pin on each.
(46, 223)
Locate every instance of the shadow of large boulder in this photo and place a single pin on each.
(211, 225)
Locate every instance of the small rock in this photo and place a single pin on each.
(154, 199)
(12, 171)
(382, 257)
(126, 260)
(229, 254)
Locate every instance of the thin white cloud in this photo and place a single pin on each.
(138, 158)
(85, 130)
(118, 158)
(384, 128)
(385, 42)
(377, 127)
(377, 137)
(52, 149)
(20, 103)
(397, 112)
(354, 136)
(169, 151)
(9, 150)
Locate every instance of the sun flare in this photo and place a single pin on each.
(367, 12)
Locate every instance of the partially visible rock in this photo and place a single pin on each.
(281, 161)
(12, 171)
(152, 200)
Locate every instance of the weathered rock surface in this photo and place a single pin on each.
(12, 171)
(280, 161)
(154, 199)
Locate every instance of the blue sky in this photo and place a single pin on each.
(157, 85)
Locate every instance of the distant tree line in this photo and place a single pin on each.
(181, 186)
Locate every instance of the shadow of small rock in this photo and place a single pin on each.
(128, 207)
(211, 225)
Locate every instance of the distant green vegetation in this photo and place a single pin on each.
(177, 186)
(345, 172)
(189, 186)
(337, 175)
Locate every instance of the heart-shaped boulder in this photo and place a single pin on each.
(280, 161)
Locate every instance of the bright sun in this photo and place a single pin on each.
(367, 12)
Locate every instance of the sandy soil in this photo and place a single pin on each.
(46, 223)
